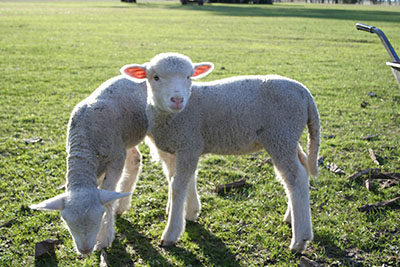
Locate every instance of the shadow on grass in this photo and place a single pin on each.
(137, 247)
(334, 252)
(295, 11)
(144, 252)
(213, 248)
(380, 214)
(47, 260)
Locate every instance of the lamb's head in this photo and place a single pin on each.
(169, 79)
(82, 210)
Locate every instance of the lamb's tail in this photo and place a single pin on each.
(313, 124)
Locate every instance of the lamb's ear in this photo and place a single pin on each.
(134, 71)
(55, 203)
(202, 69)
(107, 196)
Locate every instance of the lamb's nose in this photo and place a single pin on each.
(177, 100)
(85, 250)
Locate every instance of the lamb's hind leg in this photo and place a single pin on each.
(304, 161)
(106, 234)
(129, 177)
(287, 161)
(295, 180)
(287, 218)
(193, 204)
(168, 163)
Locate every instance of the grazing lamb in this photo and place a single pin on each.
(230, 116)
(103, 131)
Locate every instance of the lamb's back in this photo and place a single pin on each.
(113, 115)
(236, 111)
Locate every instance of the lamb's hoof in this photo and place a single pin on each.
(167, 244)
(299, 246)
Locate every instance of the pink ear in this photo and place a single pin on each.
(201, 70)
(137, 72)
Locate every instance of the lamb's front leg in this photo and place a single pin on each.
(185, 169)
(129, 177)
(106, 234)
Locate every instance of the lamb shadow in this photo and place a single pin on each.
(140, 244)
(211, 247)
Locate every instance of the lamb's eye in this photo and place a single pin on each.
(156, 78)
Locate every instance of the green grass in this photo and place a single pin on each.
(53, 54)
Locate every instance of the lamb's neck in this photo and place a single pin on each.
(81, 171)
(157, 117)
(161, 128)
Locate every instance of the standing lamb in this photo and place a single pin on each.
(230, 116)
(103, 131)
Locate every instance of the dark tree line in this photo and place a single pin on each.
(374, 2)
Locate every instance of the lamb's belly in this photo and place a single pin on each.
(234, 149)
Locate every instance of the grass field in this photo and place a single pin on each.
(53, 54)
